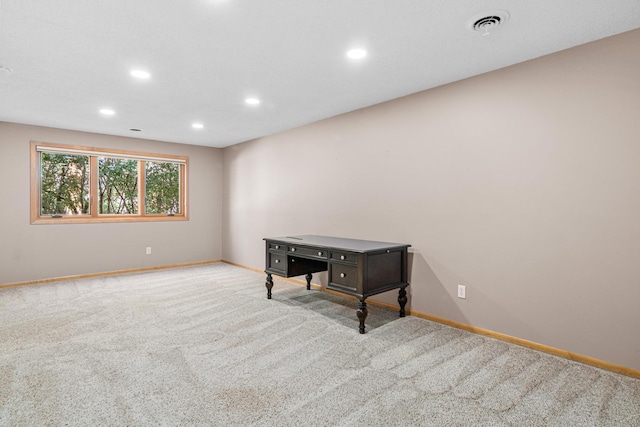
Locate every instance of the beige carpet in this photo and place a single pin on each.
(203, 346)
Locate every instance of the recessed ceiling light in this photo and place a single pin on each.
(357, 53)
(252, 101)
(140, 74)
(197, 125)
(107, 112)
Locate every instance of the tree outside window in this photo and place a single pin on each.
(162, 188)
(117, 186)
(64, 184)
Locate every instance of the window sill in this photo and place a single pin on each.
(107, 219)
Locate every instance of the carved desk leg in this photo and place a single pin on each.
(362, 314)
(402, 300)
(269, 285)
(308, 277)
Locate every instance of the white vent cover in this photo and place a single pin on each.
(487, 22)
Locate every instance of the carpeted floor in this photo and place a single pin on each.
(203, 346)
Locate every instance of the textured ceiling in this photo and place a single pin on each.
(64, 60)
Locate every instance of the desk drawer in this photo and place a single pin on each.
(277, 261)
(343, 277)
(351, 258)
(310, 252)
(277, 247)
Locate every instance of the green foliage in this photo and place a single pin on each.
(64, 181)
(162, 188)
(117, 186)
(65, 185)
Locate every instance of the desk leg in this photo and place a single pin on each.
(269, 285)
(402, 300)
(308, 277)
(362, 314)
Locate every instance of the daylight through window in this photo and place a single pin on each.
(117, 186)
(64, 180)
(80, 184)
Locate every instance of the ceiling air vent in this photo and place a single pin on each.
(487, 22)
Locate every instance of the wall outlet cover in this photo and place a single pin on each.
(462, 291)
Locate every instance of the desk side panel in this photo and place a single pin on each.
(383, 269)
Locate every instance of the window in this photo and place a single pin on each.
(64, 180)
(162, 192)
(117, 186)
(79, 184)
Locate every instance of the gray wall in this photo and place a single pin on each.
(31, 252)
(523, 184)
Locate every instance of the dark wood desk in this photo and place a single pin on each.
(355, 267)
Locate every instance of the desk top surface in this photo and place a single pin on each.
(353, 245)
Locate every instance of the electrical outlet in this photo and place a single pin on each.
(462, 291)
(148, 250)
